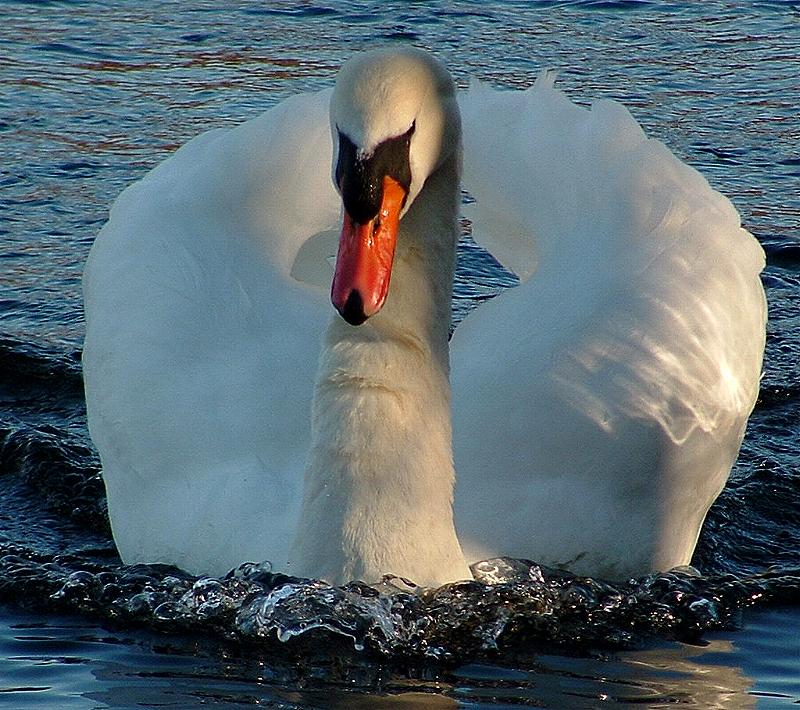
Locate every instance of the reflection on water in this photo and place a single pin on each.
(62, 663)
(689, 678)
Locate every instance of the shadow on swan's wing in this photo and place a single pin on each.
(599, 406)
(203, 336)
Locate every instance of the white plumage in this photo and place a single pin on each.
(597, 408)
(623, 369)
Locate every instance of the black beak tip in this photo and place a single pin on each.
(353, 310)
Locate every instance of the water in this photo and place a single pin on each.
(93, 94)
(70, 663)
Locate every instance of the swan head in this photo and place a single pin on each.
(394, 120)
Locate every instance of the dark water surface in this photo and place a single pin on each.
(93, 94)
(68, 663)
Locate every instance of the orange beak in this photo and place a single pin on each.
(365, 256)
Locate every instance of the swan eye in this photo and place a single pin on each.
(360, 177)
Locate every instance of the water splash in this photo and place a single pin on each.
(523, 609)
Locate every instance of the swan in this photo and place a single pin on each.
(597, 407)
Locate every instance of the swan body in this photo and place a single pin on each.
(597, 407)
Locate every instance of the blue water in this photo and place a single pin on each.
(93, 94)
(66, 663)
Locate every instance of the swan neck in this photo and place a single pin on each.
(378, 489)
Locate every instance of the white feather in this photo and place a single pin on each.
(598, 407)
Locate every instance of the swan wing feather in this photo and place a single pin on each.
(204, 313)
(599, 431)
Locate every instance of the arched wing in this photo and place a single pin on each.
(599, 406)
(203, 315)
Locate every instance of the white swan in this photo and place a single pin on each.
(598, 407)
